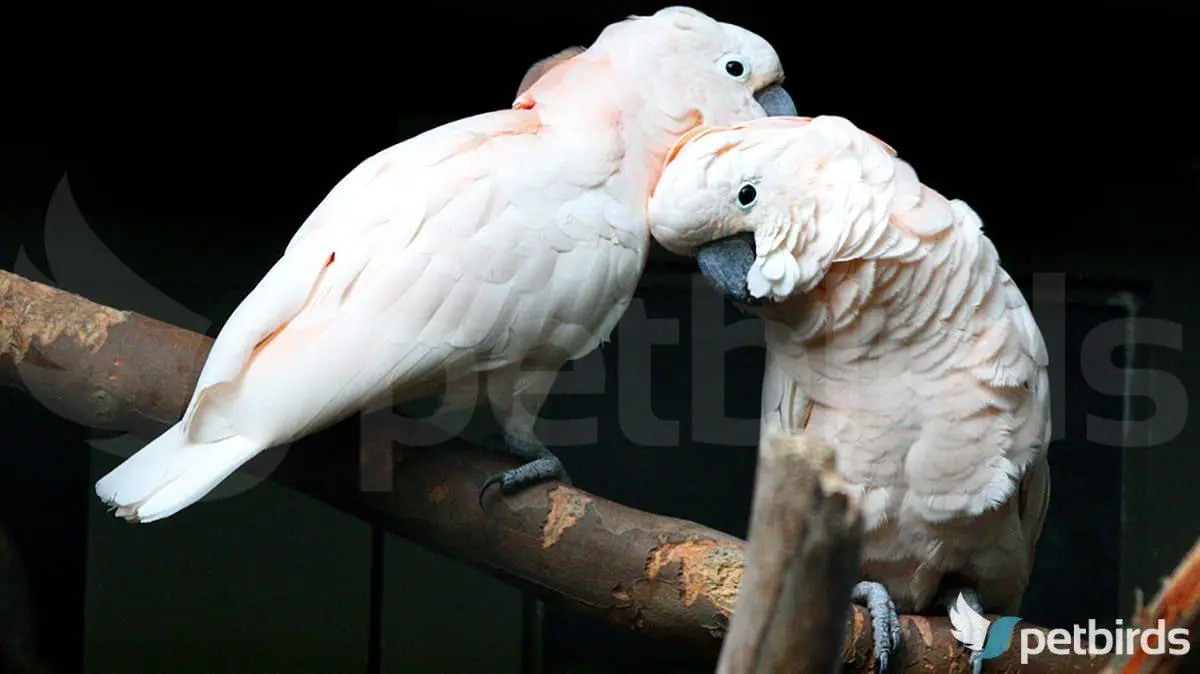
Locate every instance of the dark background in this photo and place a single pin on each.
(196, 140)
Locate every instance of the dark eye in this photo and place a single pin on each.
(747, 196)
(736, 66)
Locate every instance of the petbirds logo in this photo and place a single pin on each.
(971, 629)
(990, 639)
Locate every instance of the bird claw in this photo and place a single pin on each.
(541, 465)
(976, 662)
(885, 624)
(496, 478)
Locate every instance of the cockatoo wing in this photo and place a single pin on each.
(419, 261)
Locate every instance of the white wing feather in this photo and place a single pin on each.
(417, 266)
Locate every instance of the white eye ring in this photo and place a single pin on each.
(735, 66)
(747, 196)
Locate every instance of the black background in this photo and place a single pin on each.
(1069, 126)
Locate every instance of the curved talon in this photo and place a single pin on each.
(498, 478)
(540, 465)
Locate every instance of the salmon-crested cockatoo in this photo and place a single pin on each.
(893, 336)
(498, 246)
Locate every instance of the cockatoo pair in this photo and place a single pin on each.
(893, 336)
(505, 244)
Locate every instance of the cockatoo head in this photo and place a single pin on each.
(687, 59)
(680, 62)
(742, 198)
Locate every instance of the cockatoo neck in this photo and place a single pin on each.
(855, 278)
(796, 249)
(832, 254)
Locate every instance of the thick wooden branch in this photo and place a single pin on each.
(660, 576)
(1176, 606)
(801, 562)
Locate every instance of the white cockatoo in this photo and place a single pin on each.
(893, 336)
(497, 246)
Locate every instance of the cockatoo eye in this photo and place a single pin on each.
(736, 66)
(746, 196)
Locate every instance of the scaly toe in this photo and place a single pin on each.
(885, 624)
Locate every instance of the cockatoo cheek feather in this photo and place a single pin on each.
(692, 211)
(674, 222)
(680, 210)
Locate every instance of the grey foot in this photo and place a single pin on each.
(972, 598)
(540, 465)
(885, 624)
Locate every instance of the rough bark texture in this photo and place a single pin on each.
(801, 563)
(1177, 605)
(660, 576)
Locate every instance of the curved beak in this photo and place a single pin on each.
(776, 101)
(726, 264)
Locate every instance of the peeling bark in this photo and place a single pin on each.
(567, 507)
(98, 367)
(667, 578)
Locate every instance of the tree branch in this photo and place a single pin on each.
(801, 563)
(664, 577)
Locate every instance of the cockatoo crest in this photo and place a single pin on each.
(969, 627)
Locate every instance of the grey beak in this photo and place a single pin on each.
(776, 101)
(726, 264)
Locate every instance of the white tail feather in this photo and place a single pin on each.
(170, 473)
